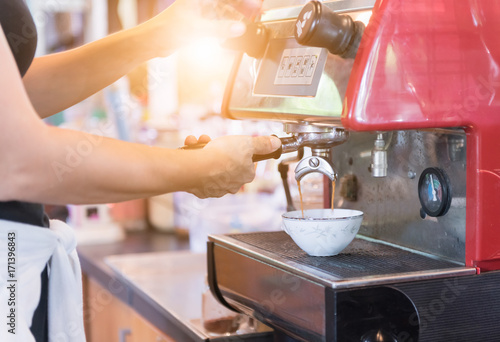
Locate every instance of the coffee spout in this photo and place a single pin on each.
(315, 164)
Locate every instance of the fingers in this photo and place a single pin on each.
(204, 139)
(266, 144)
(190, 140)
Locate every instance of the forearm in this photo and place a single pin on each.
(78, 168)
(58, 81)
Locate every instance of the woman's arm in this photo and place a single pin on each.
(39, 163)
(56, 82)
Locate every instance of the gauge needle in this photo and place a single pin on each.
(433, 189)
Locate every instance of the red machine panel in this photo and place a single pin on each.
(435, 63)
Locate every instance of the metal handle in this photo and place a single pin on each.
(196, 146)
(256, 157)
(275, 155)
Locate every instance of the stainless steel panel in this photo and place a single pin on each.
(391, 205)
(278, 297)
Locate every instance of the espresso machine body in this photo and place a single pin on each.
(418, 113)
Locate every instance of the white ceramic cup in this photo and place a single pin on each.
(322, 232)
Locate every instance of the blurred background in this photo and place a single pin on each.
(159, 103)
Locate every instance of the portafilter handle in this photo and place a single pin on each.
(256, 157)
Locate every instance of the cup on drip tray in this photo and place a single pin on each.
(322, 232)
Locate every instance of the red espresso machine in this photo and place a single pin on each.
(405, 112)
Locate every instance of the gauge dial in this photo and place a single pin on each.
(434, 192)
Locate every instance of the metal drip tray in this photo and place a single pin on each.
(268, 276)
(364, 262)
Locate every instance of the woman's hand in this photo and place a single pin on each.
(186, 20)
(226, 163)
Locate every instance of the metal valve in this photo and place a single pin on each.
(379, 157)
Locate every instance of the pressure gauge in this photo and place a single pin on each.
(434, 192)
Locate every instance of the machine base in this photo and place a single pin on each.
(325, 300)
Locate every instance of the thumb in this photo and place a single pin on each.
(265, 144)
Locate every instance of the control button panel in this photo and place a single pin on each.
(297, 66)
(290, 69)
